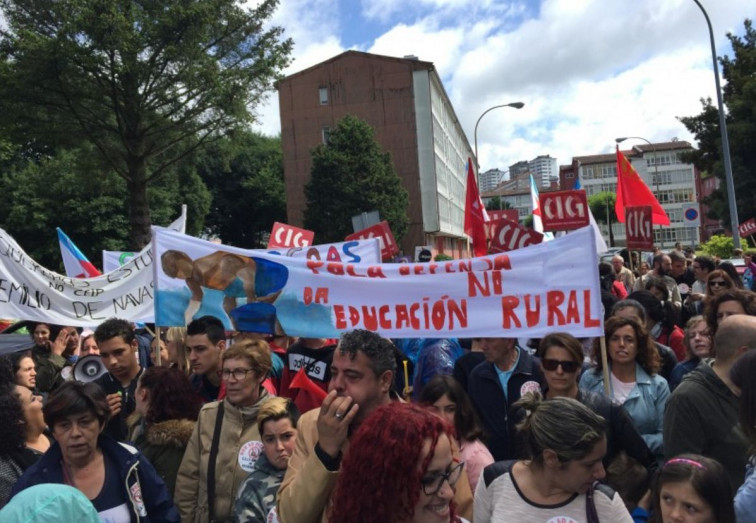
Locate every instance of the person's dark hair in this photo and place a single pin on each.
(171, 395)
(711, 306)
(13, 426)
(706, 262)
(606, 276)
(378, 350)
(563, 425)
(209, 325)
(112, 328)
(466, 423)
(660, 312)
(379, 479)
(657, 283)
(75, 397)
(632, 304)
(657, 260)
(742, 375)
(729, 268)
(564, 340)
(16, 357)
(647, 356)
(54, 329)
(707, 477)
(629, 478)
(676, 256)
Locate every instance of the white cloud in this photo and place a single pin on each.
(587, 70)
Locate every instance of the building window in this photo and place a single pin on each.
(326, 134)
(323, 94)
(569, 176)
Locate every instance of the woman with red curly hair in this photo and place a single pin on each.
(399, 468)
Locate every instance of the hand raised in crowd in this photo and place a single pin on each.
(115, 403)
(61, 340)
(336, 414)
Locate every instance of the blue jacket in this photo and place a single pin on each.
(745, 499)
(140, 479)
(645, 404)
(495, 410)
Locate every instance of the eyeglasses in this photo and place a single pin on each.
(432, 484)
(567, 366)
(238, 374)
(717, 283)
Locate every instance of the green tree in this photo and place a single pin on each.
(528, 221)
(719, 245)
(350, 175)
(245, 176)
(146, 82)
(497, 204)
(739, 94)
(602, 207)
(52, 192)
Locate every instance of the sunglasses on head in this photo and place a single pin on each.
(718, 283)
(567, 366)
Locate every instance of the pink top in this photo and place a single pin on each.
(476, 457)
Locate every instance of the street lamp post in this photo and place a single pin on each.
(725, 140)
(516, 105)
(656, 171)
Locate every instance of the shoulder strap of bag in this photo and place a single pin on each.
(211, 462)
(591, 515)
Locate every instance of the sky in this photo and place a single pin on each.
(587, 71)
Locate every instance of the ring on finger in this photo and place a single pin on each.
(339, 415)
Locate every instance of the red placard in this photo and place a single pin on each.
(382, 231)
(564, 210)
(638, 228)
(510, 235)
(747, 228)
(507, 214)
(284, 236)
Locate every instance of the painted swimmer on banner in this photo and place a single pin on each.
(259, 281)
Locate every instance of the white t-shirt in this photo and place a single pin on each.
(501, 501)
(620, 389)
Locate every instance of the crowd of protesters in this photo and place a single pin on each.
(204, 424)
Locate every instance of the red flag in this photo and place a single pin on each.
(475, 214)
(303, 382)
(632, 192)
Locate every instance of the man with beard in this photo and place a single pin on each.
(662, 267)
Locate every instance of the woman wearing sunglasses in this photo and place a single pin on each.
(718, 282)
(400, 468)
(634, 383)
(561, 362)
(728, 303)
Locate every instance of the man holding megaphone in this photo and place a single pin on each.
(118, 350)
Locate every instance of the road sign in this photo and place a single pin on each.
(638, 228)
(564, 210)
(382, 231)
(691, 214)
(284, 236)
(510, 235)
(747, 228)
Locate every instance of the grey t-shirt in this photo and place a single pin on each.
(501, 501)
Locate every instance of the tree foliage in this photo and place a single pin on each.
(719, 245)
(739, 93)
(497, 204)
(145, 82)
(602, 207)
(40, 195)
(350, 175)
(245, 175)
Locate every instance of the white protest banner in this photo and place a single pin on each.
(32, 292)
(528, 292)
(357, 251)
(111, 260)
